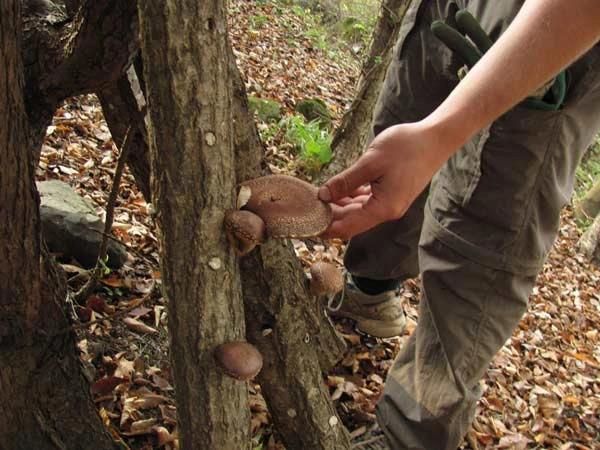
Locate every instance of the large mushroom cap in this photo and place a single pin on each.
(245, 230)
(325, 279)
(289, 207)
(239, 359)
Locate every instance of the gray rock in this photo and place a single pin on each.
(71, 228)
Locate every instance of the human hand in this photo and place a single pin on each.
(383, 183)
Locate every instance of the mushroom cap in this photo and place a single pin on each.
(239, 359)
(245, 230)
(289, 206)
(325, 279)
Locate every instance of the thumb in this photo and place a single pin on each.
(345, 183)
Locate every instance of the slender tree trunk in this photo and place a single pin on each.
(589, 243)
(120, 108)
(589, 206)
(184, 44)
(284, 322)
(44, 398)
(353, 133)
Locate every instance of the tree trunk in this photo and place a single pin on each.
(184, 44)
(44, 399)
(351, 137)
(284, 322)
(72, 54)
(589, 206)
(589, 243)
(120, 108)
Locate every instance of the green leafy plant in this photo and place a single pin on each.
(312, 141)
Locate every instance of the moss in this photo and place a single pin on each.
(315, 109)
(266, 110)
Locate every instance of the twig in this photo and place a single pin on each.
(90, 285)
(114, 315)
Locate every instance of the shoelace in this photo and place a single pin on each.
(331, 302)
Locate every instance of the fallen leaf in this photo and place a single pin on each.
(138, 326)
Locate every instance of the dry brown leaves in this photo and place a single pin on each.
(542, 389)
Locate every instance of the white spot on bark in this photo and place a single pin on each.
(214, 263)
(333, 421)
(266, 332)
(210, 139)
(292, 413)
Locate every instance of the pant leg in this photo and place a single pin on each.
(490, 221)
(421, 75)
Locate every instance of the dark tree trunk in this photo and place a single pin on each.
(185, 47)
(284, 322)
(44, 398)
(351, 137)
(72, 54)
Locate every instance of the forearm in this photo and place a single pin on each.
(545, 37)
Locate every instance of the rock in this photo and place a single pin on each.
(71, 228)
(266, 110)
(315, 109)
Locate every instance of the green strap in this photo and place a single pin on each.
(456, 42)
(461, 21)
(467, 24)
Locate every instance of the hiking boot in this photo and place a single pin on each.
(373, 440)
(379, 315)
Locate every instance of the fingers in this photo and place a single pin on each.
(356, 217)
(362, 199)
(345, 183)
(360, 215)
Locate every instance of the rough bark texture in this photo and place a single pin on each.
(71, 54)
(589, 206)
(284, 322)
(44, 398)
(589, 243)
(120, 109)
(351, 137)
(184, 45)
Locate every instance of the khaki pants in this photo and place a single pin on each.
(478, 236)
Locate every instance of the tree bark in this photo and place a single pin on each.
(184, 45)
(72, 54)
(589, 206)
(44, 398)
(284, 322)
(120, 108)
(353, 133)
(589, 243)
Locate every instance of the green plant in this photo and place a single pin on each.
(354, 30)
(312, 142)
(258, 21)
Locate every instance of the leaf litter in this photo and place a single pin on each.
(542, 389)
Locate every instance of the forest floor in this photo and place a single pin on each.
(542, 389)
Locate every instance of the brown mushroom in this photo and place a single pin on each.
(239, 360)
(245, 230)
(325, 279)
(289, 206)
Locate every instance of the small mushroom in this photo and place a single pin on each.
(245, 230)
(289, 206)
(239, 360)
(325, 279)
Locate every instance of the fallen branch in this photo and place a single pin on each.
(90, 285)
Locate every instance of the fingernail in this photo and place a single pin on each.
(324, 194)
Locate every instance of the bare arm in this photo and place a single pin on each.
(545, 37)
